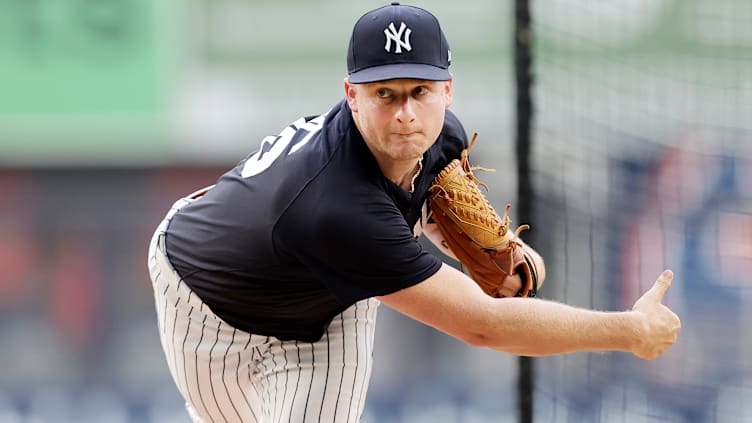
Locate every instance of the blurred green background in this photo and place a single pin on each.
(641, 160)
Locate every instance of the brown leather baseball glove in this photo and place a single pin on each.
(481, 240)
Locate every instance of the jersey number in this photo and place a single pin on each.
(273, 146)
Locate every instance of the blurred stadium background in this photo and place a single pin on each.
(641, 160)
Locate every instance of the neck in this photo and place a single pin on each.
(405, 174)
(402, 172)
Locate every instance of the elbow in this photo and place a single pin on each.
(480, 326)
(484, 341)
(480, 340)
(476, 339)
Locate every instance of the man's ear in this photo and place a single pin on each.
(448, 93)
(350, 92)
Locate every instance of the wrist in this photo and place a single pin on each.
(635, 331)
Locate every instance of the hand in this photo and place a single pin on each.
(659, 325)
(511, 286)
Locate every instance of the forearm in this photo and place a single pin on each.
(535, 327)
(452, 303)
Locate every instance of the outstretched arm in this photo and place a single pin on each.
(452, 303)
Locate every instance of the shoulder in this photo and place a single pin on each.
(452, 140)
(454, 131)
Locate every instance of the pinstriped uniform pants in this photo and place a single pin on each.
(228, 375)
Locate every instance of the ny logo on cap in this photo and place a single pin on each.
(397, 36)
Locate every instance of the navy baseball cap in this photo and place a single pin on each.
(398, 41)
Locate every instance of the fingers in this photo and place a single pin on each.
(661, 285)
(662, 326)
(511, 286)
(507, 292)
(677, 326)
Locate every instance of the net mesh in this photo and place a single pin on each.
(642, 139)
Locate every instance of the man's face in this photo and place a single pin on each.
(399, 118)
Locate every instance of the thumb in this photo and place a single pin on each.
(661, 285)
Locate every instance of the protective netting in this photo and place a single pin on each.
(642, 139)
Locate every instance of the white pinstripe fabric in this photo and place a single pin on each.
(228, 375)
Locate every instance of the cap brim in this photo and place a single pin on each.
(399, 70)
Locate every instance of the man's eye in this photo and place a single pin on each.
(383, 93)
(420, 90)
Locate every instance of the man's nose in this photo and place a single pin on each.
(406, 111)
